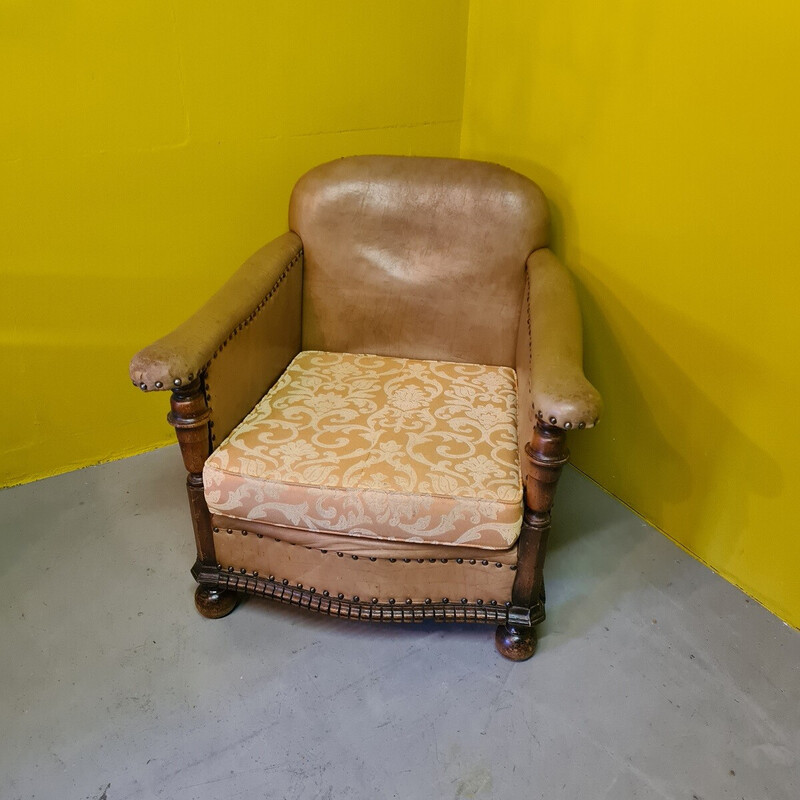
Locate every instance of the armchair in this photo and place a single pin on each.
(373, 409)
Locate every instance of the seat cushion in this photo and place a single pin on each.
(378, 447)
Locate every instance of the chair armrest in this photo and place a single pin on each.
(182, 355)
(559, 392)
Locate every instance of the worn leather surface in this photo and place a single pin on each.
(378, 447)
(416, 257)
(357, 546)
(559, 392)
(254, 291)
(363, 578)
(525, 415)
(250, 363)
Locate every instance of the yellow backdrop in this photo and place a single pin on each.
(667, 137)
(145, 152)
(146, 149)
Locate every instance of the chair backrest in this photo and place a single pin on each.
(416, 257)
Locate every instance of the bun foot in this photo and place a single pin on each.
(214, 603)
(515, 642)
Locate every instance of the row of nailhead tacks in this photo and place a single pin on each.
(484, 562)
(178, 381)
(356, 599)
(567, 425)
(160, 385)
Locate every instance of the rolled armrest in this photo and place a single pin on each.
(559, 391)
(180, 356)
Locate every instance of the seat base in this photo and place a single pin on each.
(517, 593)
(402, 574)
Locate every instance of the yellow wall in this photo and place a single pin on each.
(141, 144)
(146, 149)
(667, 136)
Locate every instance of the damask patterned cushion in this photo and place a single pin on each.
(378, 447)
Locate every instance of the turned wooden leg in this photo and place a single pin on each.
(190, 417)
(213, 602)
(515, 642)
(547, 454)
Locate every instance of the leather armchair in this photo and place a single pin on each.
(373, 409)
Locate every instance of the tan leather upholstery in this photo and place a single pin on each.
(525, 416)
(559, 391)
(381, 579)
(378, 447)
(249, 363)
(416, 257)
(251, 293)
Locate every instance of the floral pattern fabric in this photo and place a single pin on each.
(379, 447)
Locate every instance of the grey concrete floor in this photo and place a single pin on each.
(654, 677)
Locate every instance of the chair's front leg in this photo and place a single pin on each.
(547, 453)
(190, 417)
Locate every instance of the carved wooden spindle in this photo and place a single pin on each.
(190, 417)
(547, 453)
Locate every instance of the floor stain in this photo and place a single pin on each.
(477, 781)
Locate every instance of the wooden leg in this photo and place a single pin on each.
(214, 603)
(190, 417)
(515, 642)
(547, 454)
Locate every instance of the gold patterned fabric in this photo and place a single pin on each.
(378, 447)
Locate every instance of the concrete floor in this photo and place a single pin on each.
(654, 677)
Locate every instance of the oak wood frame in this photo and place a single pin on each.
(218, 590)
